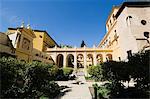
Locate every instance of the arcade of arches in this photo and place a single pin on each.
(79, 57)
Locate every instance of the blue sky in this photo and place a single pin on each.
(66, 21)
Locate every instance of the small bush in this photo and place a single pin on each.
(53, 71)
(51, 89)
(95, 72)
(67, 71)
(63, 74)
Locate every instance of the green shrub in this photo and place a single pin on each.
(88, 78)
(104, 92)
(26, 80)
(51, 89)
(67, 71)
(11, 69)
(53, 71)
(95, 72)
(63, 74)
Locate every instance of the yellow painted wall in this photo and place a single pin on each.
(38, 41)
(41, 43)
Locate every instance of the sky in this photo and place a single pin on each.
(67, 21)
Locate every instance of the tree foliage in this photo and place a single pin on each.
(83, 44)
(115, 71)
(139, 69)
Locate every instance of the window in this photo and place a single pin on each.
(113, 16)
(143, 22)
(40, 36)
(128, 17)
(119, 58)
(36, 54)
(115, 36)
(110, 22)
(128, 20)
(108, 26)
(146, 34)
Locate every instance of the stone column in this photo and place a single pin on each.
(75, 60)
(85, 57)
(94, 58)
(85, 67)
(104, 57)
(64, 60)
(55, 58)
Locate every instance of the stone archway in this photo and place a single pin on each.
(99, 58)
(89, 60)
(80, 61)
(109, 57)
(59, 60)
(70, 61)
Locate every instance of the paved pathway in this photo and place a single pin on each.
(75, 91)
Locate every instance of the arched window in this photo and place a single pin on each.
(109, 57)
(99, 58)
(59, 60)
(70, 61)
(90, 59)
(80, 61)
(128, 20)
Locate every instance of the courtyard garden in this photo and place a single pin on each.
(38, 80)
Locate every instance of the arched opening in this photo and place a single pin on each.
(128, 20)
(80, 61)
(70, 61)
(99, 58)
(109, 57)
(89, 60)
(59, 60)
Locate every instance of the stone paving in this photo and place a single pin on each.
(74, 90)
